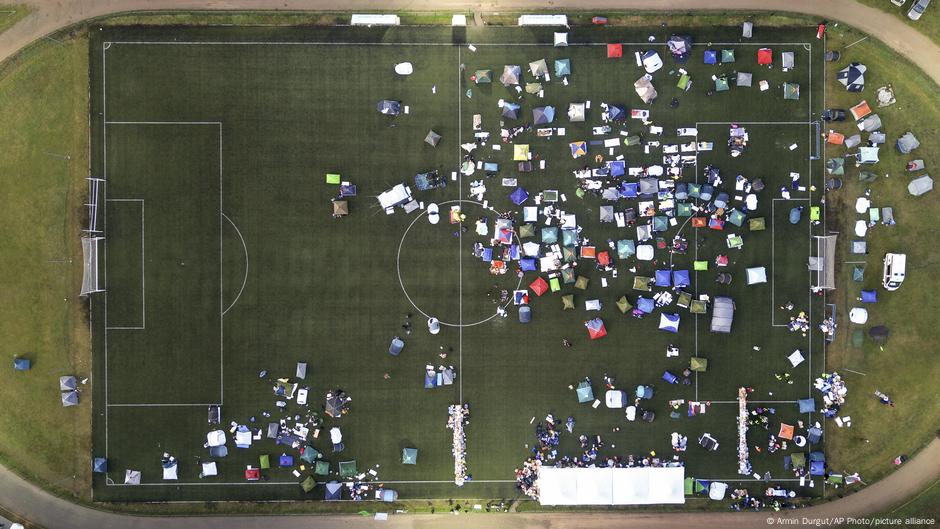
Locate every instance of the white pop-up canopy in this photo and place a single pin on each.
(611, 486)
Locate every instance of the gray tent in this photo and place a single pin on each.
(543, 115)
(334, 491)
(744, 79)
(787, 60)
(432, 138)
(747, 30)
(132, 477)
(273, 429)
(607, 213)
(70, 398)
(648, 186)
(409, 456)
(389, 107)
(870, 123)
(611, 193)
(853, 141)
(644, 88)
(67, 383)
(852, 77)
(919, 186)
(511, 75)
(510, 110)
(907, 143)
(868, 155)
(722, 314)
(879, 334)
(538, 68)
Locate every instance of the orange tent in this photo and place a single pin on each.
(860, 110)
(699, 222)
(835, 138)
(603, 258)
(588, 252)
(786, 431)
(614, 51)
(539, 286)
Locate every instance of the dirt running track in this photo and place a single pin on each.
(52, 512)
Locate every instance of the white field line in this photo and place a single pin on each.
(245, 279)
(448, 44)
(294, 483)
(459, 238)
(161, 405)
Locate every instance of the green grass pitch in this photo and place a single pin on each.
(223, 259)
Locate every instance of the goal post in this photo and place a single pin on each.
(90, 280)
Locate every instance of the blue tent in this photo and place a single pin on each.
(100, 465)
(670, 378)
(569, 237)
(807, 405)
(285, 461)
(562, 67)
(334, 491)
(549, 235)
(511, 110)
(486, 254)
(711, 57)
(21, 364)
(430, 380)
(669, 322)
(814, 435)
(585, 392)
(519, 196)
(645, 305)
(869, 296)
(644, 392)
(680, 278)
(663, 278)
(543, 115)
(706, 192)
(617, 168)
(616, 113)
(629, 190)
(396, 346)
(389, 107)
(817, 468)
(527, 264)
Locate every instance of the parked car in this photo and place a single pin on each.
(898, 3)
(833, 114)
(894, 271)
(918, 9)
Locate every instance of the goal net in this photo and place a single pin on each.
(90, 246)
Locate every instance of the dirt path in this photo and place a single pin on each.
(53, 512)
(50, 15)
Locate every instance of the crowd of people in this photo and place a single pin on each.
(833, 390)
(458, 417)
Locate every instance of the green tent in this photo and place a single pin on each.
(569, 238)
(631, 141)
(815, 213)
(836, 166)
(727, 56)
(347, 469)
(867, 176)
(310, 454)
(568, 276)
(684, 299)
(721, 84)
(697, 307)
(579, 193)
(684, 82)
(623, 304)
(660, 223)
(736, 217)
(549, 235)
(264, 461)
(689, 484)
(567, 302)
(308, 484)
(643, 283)
(858, 337)
(699, 266)
(791, 91)
(834, 479)
(562, 67)
(683, 209)
(568, 254)
(698, 364)
(533, 88)
(483, 76)
(798, 460)
(527, 230)
(582, 283)
(757, 224)
(554, 284)
(625, 248)
(585, 392)
(858, 273)
(322, 468)
(409, 456)
(332, 178)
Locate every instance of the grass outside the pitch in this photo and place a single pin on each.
(927, 24)
(43, 166)
(10, 14)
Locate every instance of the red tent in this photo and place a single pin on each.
(603, 258)
(539, 286)
(765, 56)
(253, 474)
(596, 328)
(614, 51)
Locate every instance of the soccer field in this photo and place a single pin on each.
(223, 260)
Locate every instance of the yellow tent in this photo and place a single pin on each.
(520, 152)
(578, 148)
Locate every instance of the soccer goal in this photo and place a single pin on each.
(90, 282)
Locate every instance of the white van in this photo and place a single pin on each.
(895, 268)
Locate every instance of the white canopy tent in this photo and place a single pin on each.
(611, 486)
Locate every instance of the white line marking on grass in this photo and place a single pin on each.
(751, 401)
(221, 282)
(160, 405)
(245, 279)
(459, 239)
(294, 483)
(164, 123)
(490, 44)
(104, 147)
